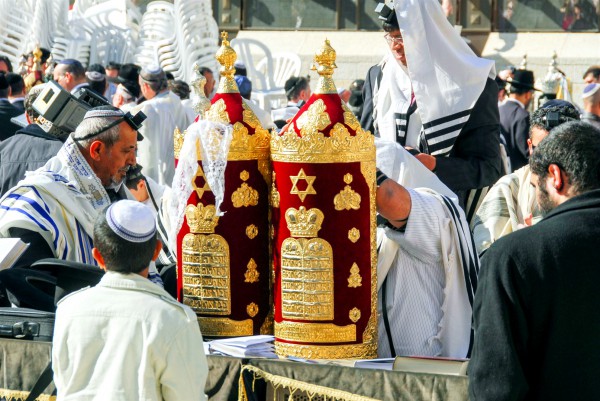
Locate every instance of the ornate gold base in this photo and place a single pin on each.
(357, 351)
(223, 327)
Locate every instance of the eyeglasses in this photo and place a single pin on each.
(395, 40)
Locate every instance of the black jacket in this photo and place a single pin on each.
(29, 149)
(537, 310)
(474, 161)
(514, 125)
(7, 111)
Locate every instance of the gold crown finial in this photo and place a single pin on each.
(200, 102)
(324, 64)
(201, 219)
(226, 56)
(304, 223)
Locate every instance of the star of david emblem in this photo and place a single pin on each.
(200, 190)
(310, 179)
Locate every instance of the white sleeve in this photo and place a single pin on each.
(187, 367)
(422, 235)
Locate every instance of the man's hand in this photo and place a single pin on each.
(427, 160)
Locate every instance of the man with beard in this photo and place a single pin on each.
(537, 297)
(54, 208)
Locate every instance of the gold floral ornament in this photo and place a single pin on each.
(251, 231)
(244, 196)
(353, 235)
(354, 315)
(304, 223)
(348, 178)
(252, 273)
(200, 102)
(347, 199)
(310, 180)
(252, 309)
(274, 193)
(218, 112)
(244, 175)
(354, 280)
(324, 64)
(314, 120)
(226, 56)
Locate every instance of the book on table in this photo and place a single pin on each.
(442, 366)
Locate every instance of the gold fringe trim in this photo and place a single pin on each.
(295, 385)
(17, 395)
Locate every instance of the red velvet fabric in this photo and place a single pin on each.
(333, 105)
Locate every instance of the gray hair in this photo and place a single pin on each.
(90, 125)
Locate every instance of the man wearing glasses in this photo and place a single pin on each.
(70, 74)
(434, 96)
(54, 208)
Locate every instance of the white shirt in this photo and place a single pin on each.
(156, 152)
(127, 339)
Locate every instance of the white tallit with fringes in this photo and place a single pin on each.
(446, 76)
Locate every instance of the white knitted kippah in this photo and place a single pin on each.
(103, 111)
(131, 220)
(95, 76)
(590, 90)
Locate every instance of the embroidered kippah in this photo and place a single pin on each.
(153, 73)
(95, 76)
(104, 111)
(131, 220)
(590, 90)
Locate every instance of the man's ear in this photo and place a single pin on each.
(557, 179)
(157, 250)
(96, 254)
(96, 149)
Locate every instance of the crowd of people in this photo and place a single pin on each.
(487, 216)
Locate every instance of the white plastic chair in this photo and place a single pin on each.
(285, 65)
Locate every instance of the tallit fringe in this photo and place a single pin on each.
(16, 395)
(293, 386)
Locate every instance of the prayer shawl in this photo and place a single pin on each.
(505, 208)
(459, 261)
(445, 75)
(61, 202)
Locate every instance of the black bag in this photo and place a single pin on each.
(28, 324)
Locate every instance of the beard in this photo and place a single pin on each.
(544, 202)
(118, 179)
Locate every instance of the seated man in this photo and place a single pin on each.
(126, 338)
(510, 203)
(427, 269)
(536, 310)
(297, 91)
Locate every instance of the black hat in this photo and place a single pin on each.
(70, 276)
(128, 76)
(522, 79)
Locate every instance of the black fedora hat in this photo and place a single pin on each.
(522, 79)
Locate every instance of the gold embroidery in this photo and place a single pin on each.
(354, 280)
(316, 148)
(315, 332)
(206, 274)
(267, 326)
(354, 315)
(350, 119)
(304, 223)
(251, 274)
(358, 351)
(249, 117)
(348, 178)
(201, 219)
(200, 190)
(251, 231)
(264, 168)
(314, 119)
(310, 180)
(347, 199)
(223, 327)
(306, 279)
(244, 196)
(353, 235)
(244, 175)
(178, 138)
(218, 112)
(252, 309)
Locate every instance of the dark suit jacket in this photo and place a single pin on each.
(29, 149)
(20, 105)
(474, 161)
(514, 125)
(7, 111)
(536, 311)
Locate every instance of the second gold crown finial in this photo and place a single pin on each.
(226, 56)
(324, 64)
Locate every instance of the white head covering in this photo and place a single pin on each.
(590, 90)
(446, 76)
(131, 220)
